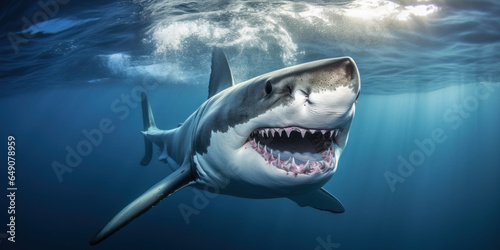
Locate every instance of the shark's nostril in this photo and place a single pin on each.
(301, 95)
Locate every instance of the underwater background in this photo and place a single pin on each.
(421, 169)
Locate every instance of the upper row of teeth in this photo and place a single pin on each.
(270, 131)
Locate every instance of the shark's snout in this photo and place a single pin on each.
(333, 75)
(325, 76)
(352, 73)
(350, 68)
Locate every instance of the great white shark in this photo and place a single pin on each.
(277, 135)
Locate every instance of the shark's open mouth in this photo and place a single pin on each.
(296, 150)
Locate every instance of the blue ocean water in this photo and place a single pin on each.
(421, 169)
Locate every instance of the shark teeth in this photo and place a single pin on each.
(272, 132)
(321, 139)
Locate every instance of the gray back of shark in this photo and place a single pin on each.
(277, 135)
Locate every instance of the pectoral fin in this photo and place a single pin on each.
(175, 181)
(319, 199)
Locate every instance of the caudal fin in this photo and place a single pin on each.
(149, 122)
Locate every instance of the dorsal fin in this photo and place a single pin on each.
(221, 77)
(148, 122)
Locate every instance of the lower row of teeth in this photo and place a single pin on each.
(291, 166)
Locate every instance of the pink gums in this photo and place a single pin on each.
(290, 165)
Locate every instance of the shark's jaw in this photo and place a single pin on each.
(295, 150)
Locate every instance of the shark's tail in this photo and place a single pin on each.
(149, 122)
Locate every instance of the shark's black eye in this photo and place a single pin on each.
(269, 87)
